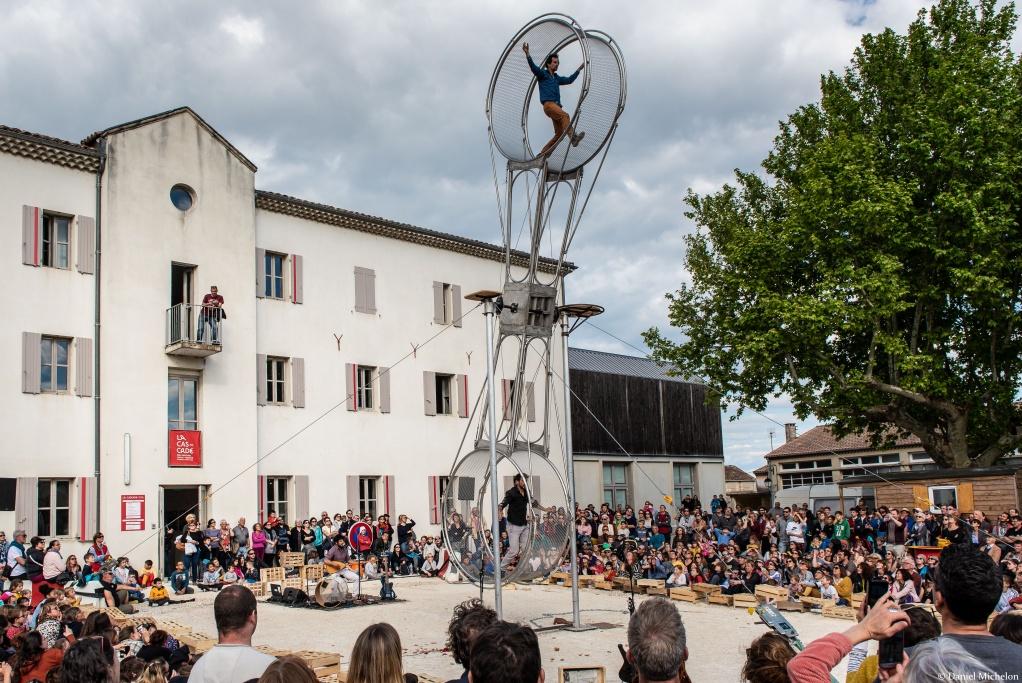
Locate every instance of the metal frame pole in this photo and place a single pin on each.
(491, 392)
(576, 618)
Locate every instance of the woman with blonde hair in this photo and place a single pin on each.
(376, 657)
(289, 669)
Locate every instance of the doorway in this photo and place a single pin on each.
(176, 502)
(182, 277)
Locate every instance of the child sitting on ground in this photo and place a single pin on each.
(158, 594)
(429, 567)
(211, 578)
(371, 569)
(230, 575)
(145, 578)
(179, 580)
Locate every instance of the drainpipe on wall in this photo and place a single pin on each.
(101, 146)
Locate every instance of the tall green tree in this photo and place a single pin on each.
(872, 271)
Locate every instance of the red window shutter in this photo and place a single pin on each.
(434, 500)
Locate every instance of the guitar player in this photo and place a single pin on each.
(340, 560)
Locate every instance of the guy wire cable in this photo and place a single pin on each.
(296, 434)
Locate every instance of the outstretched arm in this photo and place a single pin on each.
(567, 80)
(532, 65)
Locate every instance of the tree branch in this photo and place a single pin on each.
(936, 404)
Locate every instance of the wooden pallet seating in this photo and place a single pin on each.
(292, 560)
(768, 593)
(839, 612)
(684, 594)
(271, 575)
(744, 600)
(719, 599)
(656, 590)
(706, 589)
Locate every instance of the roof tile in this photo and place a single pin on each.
(821, 439)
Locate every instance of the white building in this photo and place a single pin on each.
(296, 407)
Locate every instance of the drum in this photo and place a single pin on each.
(332, 591)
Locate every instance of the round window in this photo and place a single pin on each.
(182, 197)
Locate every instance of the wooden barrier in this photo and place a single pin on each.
(272, 574)
(683, 594)
(292, 560)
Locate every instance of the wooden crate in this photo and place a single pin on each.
(656, 590)
(683, 594)
(816, 602)
(718, 599)
(839, 612)
(649, 583)
(603, 585)
(771, 593)
(258, 589)
(293, 582)
(588, 579)
(273, 574)
(706, 589)
(561, 578)
(744, 600)
(311, 572)
(292, 560)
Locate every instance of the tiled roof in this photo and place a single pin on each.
(620, 364)
(332, 215)
(48, 149)
(821, 440)
(732, 473)
(761, 471)
(153, 118)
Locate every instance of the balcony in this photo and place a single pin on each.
(194, 331)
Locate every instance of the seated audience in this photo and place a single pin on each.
(376, 657)
(233, 658)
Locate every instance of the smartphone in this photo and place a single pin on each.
(892, 651)
(877, 589)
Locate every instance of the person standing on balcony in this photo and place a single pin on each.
(211, 314)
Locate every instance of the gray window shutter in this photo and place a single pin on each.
(365, 290)
(26, 505)
(388, 496)
(297, 272)
(384, 389)
(429, 392)
(86, 244)
(31, 235)
(260, 273)
(298, 382)
(31, 359)
(261, 379)
(438, 303)
(302, 496)
(530, 398)
(462, 395)
(456, 305)
(88, 497)
(83, 366)
(349, 386)
(352, 486)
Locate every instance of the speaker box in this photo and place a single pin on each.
(276, 595)
(466, 488)
(294, 596)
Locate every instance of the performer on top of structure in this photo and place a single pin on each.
(550, 97)
(517, 502)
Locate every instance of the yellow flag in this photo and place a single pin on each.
(669, 500)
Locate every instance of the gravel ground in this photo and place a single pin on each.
(717, 635)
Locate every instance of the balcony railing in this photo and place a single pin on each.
(194, 330)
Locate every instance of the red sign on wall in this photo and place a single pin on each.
(184, 448)
(133, 512)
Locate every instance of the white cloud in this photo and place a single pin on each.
(247, 31)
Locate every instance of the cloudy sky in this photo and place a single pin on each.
(379, 107)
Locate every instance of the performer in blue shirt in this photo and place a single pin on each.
(550, 97)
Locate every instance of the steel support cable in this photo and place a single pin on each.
(301, 430)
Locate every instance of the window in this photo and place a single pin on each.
(789, 481)
(446, 301)
(365, 290)
(182, 403)
(8, 493)
(273, 271)
(367, 487)
(444, 404)
(684, 482)
(275, 369)
(806, 465)
(56, 241)
(615, 484)
(53, 353)
(364, 387)
(920, 462)
(276, 496)
(182, 197)
(943, 495)
(54, 505)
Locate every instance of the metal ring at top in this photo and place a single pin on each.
(601, 94)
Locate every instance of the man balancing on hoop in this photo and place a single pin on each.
(517, 503)
(550, 96)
